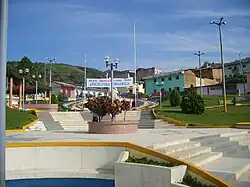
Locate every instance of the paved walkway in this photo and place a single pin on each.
(144, 137)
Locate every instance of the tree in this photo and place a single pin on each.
(54, 99)
(175, 98)
(192, 103)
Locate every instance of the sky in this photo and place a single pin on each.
(168, 32)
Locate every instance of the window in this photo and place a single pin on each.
(244, 66)
(162, 79)
(177, 77)
(177, 89)
(235, 67)
(169, 78)
(154, 80)
(230, 68)
(154, 90)
(170, 90)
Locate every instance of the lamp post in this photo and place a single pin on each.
(199, 55)
(3, 60)
(36, 77)
(50, 91)
(113, 64)
(221, 22)
(23, 73)
(160, 85)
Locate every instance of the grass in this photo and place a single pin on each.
(212, 116)
(16, 119)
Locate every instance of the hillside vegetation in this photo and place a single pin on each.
(60, 72)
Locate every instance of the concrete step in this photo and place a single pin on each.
(212, 140)
(223, 144)
(245, 143)
(168, 143)
(241, 154)
(229, 151)
(227, 168)
(244, 180)
(235, 133)
(240, 137)
(201, 138)
(242, 142)
(179, 147)
(204, 158)
(185, 154)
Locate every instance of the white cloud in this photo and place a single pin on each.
(211, 13)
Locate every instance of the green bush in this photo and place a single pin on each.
(145, 160)
(61, 97)
(54, 99)
(192, 103)
(175, 98)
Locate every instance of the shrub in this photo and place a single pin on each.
(175, 98)
(192, 103)
(54, 99)
(61, 97)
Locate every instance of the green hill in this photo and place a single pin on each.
(60, 72)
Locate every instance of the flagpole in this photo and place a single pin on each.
(85, 74)
(3, 60)
(135, 85)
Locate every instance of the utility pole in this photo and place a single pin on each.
(85, 73)
(199, 55)
(221, 22)
(50, 81)
(242, 71)
(135, 58)
(3, 60)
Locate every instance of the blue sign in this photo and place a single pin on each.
(117, 82)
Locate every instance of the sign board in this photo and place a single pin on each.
(117, 82)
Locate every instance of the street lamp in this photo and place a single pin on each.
(50, 61)
(242, 70)
(23, 73)
(199, 55)
(113, 64)
(221, 22)
(36, 77)
(160, 85)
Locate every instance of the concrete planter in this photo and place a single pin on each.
(46, 107)
(118, 127)
(143, 175)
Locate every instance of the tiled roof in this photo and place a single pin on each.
(65, 84)
(164, 74)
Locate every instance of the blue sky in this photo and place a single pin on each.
(168, 32)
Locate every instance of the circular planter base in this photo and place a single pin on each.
(107, 127)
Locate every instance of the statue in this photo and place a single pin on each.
(115, 93)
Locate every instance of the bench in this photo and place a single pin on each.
(229, 102)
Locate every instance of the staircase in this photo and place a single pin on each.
(38, 126)
(146, 120)
(70, 121)
(48, 121)
(225, 155)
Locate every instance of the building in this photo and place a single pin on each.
(179, 80)
(234, 88)
(145, 72)
(61, 87)
(209, 73)
(248, 82)
(235, 67)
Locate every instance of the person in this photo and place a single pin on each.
(95, 117)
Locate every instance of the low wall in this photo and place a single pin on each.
(118, 127)
(46, 107)
(75, 159)
(66, 160)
